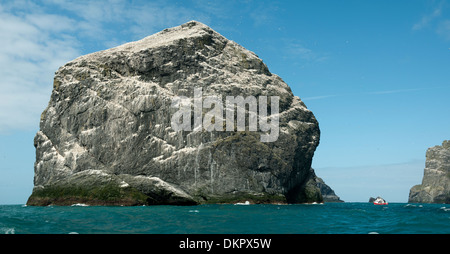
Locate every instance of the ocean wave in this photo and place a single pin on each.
(7, 231)
(445, 209)
(338, 218)
(411, 205)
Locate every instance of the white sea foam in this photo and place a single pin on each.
(79, 204)
(313, 203)
(7, 231)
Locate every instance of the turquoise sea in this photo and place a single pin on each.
(328, 218)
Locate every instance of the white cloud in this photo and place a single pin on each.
(51, 22)
(37, 37)
(31, 52)
(102, 20)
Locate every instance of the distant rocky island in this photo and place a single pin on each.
(108, 135)
(328, 194)
(435, 187)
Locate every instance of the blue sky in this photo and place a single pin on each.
(375, 73)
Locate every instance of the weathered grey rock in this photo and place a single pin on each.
(328, 194)
(435, 187)
(108, 124)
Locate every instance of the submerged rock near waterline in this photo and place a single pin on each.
(435, 187)
(106, 137)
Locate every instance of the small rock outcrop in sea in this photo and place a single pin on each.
(107, 136)
(379, 200)
(435, 187)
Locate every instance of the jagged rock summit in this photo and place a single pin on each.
(435, 187)
(107, 136)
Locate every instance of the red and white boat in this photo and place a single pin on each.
(380, 201)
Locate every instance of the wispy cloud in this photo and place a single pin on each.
(396, 91)
(300, 54)
(444, 29)
(435, 20)
(428, 18)
(304, 53)
(136, 19)
(37, 37)
(262, 14)
(320, 97)
(381, 92)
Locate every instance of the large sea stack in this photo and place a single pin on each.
(106, 137)
(435, 187)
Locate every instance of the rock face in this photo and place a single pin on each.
(328, 194)
(435, 187)
(107, 138)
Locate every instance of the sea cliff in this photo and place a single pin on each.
(108, 136)
(435, 187)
